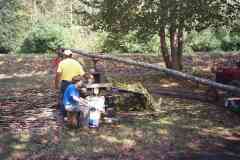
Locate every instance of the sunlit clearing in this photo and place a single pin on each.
(24, 137)
(74, 139)
(19, 60)
(193, 146)
(173, 84)
(19, 146)
(98, 150)
(129, 142)
(110, 139)
(2, 62)
(165, 121)
(163, 132)
(22, 75)
(206, 69)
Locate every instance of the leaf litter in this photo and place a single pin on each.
(30, 129)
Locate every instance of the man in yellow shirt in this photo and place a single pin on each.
(67, 69)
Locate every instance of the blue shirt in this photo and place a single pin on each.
(68, 95)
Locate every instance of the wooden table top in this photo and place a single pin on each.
(99, 85)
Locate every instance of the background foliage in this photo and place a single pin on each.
(13, 23)
(45, 37)
(37, 26)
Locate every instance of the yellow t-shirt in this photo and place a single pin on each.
(69, 68)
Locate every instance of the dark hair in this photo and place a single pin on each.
(60, 51)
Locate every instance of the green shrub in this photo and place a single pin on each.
(13, 25)
(45, 37)
(203, 41)
(210, 40)
(127, 43)
(235, 41)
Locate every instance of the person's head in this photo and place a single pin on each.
(78, 81)
(59, 52)
(67, 53)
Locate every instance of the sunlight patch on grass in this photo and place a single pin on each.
(2, 62)
(163, 132)
(165, 121)
(110, 139)
(220, 131)
(18, 146)
(23, 75)
(19, 59)
(173, 84)
(194, 146)
(74, 139)
(128, 142)
(24, 137)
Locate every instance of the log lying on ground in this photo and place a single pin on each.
(170, 72)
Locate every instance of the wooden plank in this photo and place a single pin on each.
(99, 85)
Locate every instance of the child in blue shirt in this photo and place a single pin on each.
(71, 99)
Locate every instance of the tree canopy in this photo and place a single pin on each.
(165, 18)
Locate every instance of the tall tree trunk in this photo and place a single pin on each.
(180, 47)
(174, 47)
(164, 48)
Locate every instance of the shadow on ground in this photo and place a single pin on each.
(182, 129)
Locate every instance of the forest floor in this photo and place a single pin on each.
(181, 129)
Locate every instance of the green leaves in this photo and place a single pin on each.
(149, 15)
(45, 37)
(12, 24)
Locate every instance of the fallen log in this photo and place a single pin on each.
(170, 72)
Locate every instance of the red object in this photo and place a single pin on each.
(228, 74)
(56, 61)
(233, 73)
(54, 64)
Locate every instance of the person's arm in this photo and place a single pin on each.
(57, 79)
(58, 76)
(80, 100)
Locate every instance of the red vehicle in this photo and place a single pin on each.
(228, 75)
(224, 74)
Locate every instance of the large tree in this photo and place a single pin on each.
(163, 17)
(12, 23)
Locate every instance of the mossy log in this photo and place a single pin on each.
(131, 97)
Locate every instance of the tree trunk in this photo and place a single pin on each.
(174, 47)
(164, 48)
(170, 72)
(180, 47)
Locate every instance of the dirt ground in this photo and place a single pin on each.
(181, 129)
